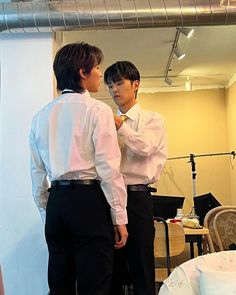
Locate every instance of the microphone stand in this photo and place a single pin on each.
(194, 173)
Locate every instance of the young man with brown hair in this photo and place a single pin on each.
(86, 202)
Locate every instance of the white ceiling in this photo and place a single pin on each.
(210, 60)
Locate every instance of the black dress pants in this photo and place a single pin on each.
(135, 262)
(80, 239)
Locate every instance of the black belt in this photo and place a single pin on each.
(140, 188)
(75, 182)
(137, 188)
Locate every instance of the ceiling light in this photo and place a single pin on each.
(187, 32)
(188, 84)
(168, 81)
(180, 55)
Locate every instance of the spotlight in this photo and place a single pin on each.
(168, 81)
(187, 32)
(180, 55)
(188, 84)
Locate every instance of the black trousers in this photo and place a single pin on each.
(80, 239)
(135, 263)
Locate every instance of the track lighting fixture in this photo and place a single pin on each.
(186, 32)
(175, 51)
(180, 55)
(168, 81)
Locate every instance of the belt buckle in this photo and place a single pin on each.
(137, 188)
(86, 181)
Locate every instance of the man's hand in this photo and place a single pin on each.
(121, 236)
(118, 121)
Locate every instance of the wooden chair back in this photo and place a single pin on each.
(212, 240)
(224, 225)
(169, 242)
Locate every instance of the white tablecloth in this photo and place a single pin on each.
(184, 279)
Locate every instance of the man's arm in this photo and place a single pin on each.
(150, 138)
(107, 163)
(38, 177)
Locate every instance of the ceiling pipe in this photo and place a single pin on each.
(67, 15)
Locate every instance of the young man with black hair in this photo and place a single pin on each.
(143, 154)
(86, 202)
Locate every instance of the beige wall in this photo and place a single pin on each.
(231, 131)
(196, 123)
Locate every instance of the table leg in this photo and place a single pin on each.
(191, 250)
(199, 245)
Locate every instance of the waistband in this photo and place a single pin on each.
(75, 182)
(140, 188)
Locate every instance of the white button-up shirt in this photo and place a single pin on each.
(144, 149)
(74, 137)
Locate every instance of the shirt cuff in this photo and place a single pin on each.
(43, 215)
(119, 218)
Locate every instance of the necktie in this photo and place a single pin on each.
(123, 117)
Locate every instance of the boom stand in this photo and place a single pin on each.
(194, 174)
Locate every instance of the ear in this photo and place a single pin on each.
(136, 85)
(82, 73)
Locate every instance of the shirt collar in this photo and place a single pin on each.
(84, 92)
(132, 112)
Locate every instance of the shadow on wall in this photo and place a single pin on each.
(169, 176)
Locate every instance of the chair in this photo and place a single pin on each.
(224, 225)
(169, 242)
(166, 206)
(203, 204)
(188, 278)
(208, 223)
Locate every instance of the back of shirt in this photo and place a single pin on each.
(74, 137)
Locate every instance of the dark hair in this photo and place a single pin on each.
(121, 70)
(70, 59)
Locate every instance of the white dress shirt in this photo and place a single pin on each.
(144, 149)
(74, 137)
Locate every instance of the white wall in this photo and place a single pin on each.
(26, 85)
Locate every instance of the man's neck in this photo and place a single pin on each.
(125, 108)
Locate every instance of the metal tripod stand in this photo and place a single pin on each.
(194, 173)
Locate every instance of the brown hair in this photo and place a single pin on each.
(70, 59)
